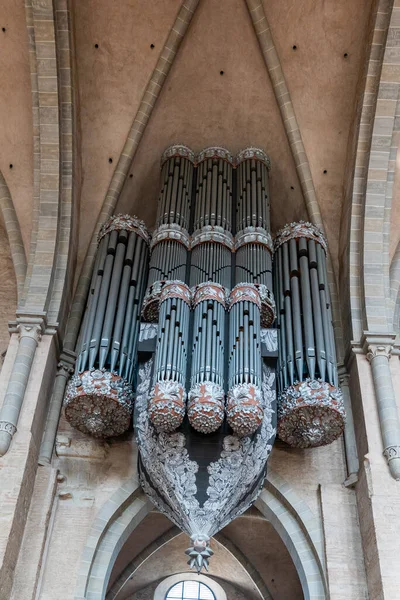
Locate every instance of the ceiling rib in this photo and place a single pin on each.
(152, 92)
(282, 95)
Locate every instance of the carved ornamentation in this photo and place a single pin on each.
(269, 337)
(99, 403)
(170, 232)
(27, 330)
(8, 428)
(254, 153)
(375, 350)
(151, 302)
(176, 289)
(148, 331)
(200, 552)
(254, 235)
(212, 233)
(391, 452)
(268, 309)
(206, 407)
(245, 292)
(244, 409)
(209, 291)
(167, 405)
(301, 229)
(215, 152)
(126, 222)
(310, 414)
(177, 150)
(232, 477)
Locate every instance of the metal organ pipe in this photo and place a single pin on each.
(170, 241)
(168, 397)
(210, 276)
(99, 397)
(251, 303)
(310, 408)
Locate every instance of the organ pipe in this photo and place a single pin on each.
(251, 303)
(170, 241)
(310, 409)
(100, 395)
(168, 398)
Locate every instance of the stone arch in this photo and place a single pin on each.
(174, 532)
(127, 507)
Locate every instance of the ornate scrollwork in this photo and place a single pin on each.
(301, 229)
(254, 235)
(209, 291)
(177, 150)
(170, 231)
(127, 222)
(256, 154)
(245, 292)
(212, 233)
(214, 152)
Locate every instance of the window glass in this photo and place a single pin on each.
(190, 590)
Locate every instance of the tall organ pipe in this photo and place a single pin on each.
(244, 408)
(99, 397)
(168, 397)
(251, 301)
(310, 409)
(211, 276)
(170, 241)
(206, 397)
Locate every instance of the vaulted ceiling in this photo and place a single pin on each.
(322, 49)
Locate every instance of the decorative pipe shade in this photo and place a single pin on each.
(100, 395)
(310, 409)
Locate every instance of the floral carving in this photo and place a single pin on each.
(209, 291)
(301, 229)
(256, 154)
(168, 232)
(212, 233)
(170, 477)
(244, 409)
(310, 413)
(167, 405)
(206, 406)
(176, 289)
(254, 235)
(127, 222)
(245, 292)
(99, 403)
(177, 150)
(215, 152)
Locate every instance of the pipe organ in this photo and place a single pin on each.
(311, 410)
(99, 397)
(205, 283)
(206, 278)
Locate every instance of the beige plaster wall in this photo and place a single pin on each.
(16, 127)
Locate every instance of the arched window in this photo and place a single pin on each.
(190, 590)
(186, 586)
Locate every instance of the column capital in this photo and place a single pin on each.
(374, 344)
(30, 330)
(374, 350)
